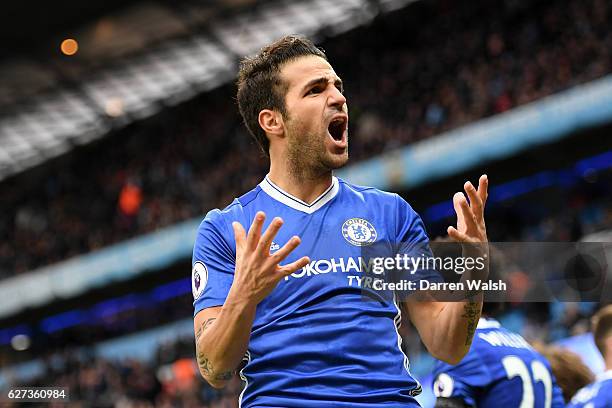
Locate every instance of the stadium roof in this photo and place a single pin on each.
(133, 63)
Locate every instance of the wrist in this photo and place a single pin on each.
(237, 299)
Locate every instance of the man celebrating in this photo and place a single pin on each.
(307, 333)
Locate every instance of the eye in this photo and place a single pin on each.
(315, 90)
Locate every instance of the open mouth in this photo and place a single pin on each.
(337, 127)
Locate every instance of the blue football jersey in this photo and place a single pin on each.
(595, 395)
(500, 370)
(321, 338)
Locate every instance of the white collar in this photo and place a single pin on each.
(606, 375)
(278, 194)
(488, 324)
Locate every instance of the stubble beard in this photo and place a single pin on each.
(308, 159)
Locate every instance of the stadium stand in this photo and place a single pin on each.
(134, 63)
(169, 380)
(492, 70)
(70, 353)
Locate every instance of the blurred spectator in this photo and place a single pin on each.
(130, 199)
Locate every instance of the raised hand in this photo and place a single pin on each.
(470, 217)
(257, 271)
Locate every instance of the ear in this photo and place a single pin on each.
(271, 122)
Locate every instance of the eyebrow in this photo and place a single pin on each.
(322, 80)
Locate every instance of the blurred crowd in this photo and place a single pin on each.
(416, 73)
(468, 61)
(170, 380)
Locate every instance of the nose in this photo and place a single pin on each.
(336, 98)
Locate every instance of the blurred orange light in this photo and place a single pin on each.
(114, 107)
(69, 46)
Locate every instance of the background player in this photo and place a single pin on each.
(307, 335)
(599, 393)
(501, 369)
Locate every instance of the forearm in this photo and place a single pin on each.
(222, 342)
(454, 328)
(446, 327)
(456, 320)
(459, 317)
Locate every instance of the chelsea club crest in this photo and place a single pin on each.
(359, 232)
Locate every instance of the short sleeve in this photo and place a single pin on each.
(410, 227)
(462, 381)
(412, 240)
(213, 263)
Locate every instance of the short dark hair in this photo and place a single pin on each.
(602, 328)
(260, 86)
(569, 370)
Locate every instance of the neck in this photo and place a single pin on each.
(306, 187)
(608, 361)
